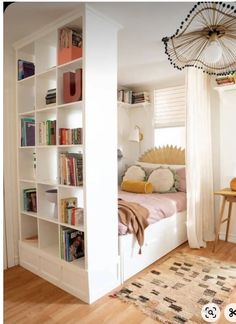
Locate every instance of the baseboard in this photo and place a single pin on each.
(231, 237)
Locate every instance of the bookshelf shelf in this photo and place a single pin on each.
(33, 214)
(131, 106)
(225, 87)
(66, 136)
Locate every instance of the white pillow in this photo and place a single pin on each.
(135, 173)
(163, 180)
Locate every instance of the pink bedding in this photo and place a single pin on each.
(159, 205)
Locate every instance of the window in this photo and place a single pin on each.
(169, 116)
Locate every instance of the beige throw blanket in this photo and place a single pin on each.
(135, 216)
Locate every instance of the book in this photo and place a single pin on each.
(30, 199)
(25, 69)
(75, 245)
(72, 244)
(27, 131)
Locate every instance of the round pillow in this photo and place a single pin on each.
(162, 180)
(134, 173)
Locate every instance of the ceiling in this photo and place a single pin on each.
(142, 62)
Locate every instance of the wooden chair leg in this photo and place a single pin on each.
(219, 223)
(228, 223)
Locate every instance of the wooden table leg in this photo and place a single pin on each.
(228, 223)
(220, 219)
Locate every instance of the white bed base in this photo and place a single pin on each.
(159, 239)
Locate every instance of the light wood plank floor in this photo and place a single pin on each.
(30, 299)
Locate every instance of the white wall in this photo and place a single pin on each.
(9, 161)
(141, 116)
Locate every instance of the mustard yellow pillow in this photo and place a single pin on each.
(137, 186)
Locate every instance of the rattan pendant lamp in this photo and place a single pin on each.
(206, 39)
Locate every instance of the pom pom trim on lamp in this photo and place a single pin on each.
(208, 24)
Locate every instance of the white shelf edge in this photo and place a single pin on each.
(47, 183)
(74, 103)
(33, 244)
(28, 180)
(26, 79)
(53, 106)
(47, 219)
(136, 105)
(225, 87)
(51, 69)
(79, 228)
(27, 147)
(70, 62)
(78, 263)
(31, 112)
(70, 145)
(33, 214)
(68, 186)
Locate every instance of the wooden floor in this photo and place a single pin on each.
(30, 299)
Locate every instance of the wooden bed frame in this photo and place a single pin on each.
(161, 237)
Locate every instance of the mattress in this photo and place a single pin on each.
(160, 206)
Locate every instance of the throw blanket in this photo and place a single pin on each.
(134, 215)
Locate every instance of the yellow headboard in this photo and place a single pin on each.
(164, 155)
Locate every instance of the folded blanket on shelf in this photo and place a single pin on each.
(135, 217)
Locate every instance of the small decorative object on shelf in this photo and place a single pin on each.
(72, 244)
(51, 196)
(25, 69)
(70, 41)
(34, 165)
(27, 131)
(72, 86)
(50, 96)
(30, 199)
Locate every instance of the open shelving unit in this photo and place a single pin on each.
(39, 166)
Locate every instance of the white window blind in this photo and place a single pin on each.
(169, 107)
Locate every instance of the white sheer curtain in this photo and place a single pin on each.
(199, 172)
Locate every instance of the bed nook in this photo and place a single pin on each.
(156, 183)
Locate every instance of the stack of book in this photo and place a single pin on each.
(27, 131)
(70, 213)
(47, 132)
(70, 37)
(50, 96)
(25, 69)
(226, 80)
(71, 169)
(70, 45)
(72, 244)
(140, 97)
(30, 199)
(68, 136)
(125, 96)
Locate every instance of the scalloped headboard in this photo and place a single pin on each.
(164, 155)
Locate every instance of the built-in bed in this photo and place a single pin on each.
(167, 216)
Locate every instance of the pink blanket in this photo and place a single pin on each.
(159, 205)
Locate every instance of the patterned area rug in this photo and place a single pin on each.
(176, 290)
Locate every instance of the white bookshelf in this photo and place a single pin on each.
(40, 244)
